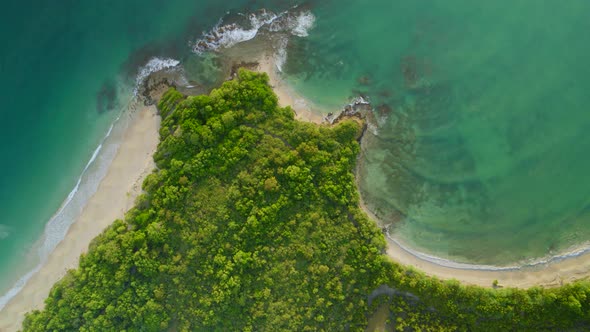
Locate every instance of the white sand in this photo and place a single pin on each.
(548, 275)
(304, 109)
(115, 195)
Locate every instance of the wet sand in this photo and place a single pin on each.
(304, 109)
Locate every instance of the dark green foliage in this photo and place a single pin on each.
(251, 222)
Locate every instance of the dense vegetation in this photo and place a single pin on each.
(251, 222)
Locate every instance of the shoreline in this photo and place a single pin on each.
(115, 195)
(547, 275)
(256, 55)
(553, 272)
(117, 191)
(304, 109)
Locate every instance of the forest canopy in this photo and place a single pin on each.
(251, 222)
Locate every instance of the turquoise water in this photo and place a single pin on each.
(480, 148)
(481, 154)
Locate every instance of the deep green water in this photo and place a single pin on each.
(480, 153)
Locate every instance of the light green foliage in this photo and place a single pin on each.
(251, 222)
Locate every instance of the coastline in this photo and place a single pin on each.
(248, 55)
(550, 274)
(304, 109)
(115, 195)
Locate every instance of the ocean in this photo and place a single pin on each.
(477, 151)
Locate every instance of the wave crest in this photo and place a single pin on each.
(153, 65)
(296, 23)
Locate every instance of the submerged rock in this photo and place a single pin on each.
(106, 97)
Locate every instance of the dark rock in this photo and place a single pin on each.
(253, 65)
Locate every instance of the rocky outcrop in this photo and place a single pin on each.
(154, 86)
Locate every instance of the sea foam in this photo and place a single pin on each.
(295, 23)
(57, 227)
(87, 183)
(153, 65)
(531, 263)
(292, 22)
(281, 54)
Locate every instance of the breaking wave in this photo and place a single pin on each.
(225, 35)
(59, 224)
(153, 65)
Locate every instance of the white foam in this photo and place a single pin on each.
(18, 286)
(360, 100)
(298, 24)
(228, 35)
(572, 253)
(305, 22)
(281, 54)
(224, 36)
(57, 227)
(153, 65)
(111, 128)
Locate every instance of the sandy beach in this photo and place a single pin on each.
(115, 195)
(552, 274)
(265, 59)
(547, 275)
(304, 109)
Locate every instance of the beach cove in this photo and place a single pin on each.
(553, 272)
(117, 192)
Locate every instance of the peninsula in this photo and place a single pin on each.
(252, 221)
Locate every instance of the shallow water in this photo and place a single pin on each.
(481, 154)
